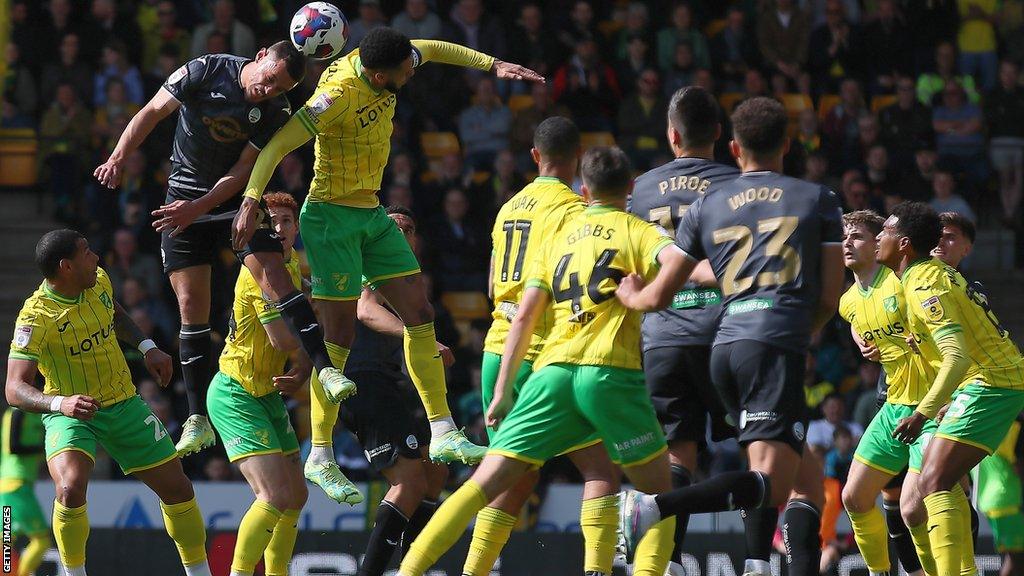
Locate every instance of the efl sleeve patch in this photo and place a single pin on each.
(320, 105)
(177, 75)
(22, 336)
(933, 309)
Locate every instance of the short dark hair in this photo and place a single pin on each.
(384, 48)
(557, 138)
(920, 223)
(606, 171)
(693, 113)
(958, 220)
(55, 246)
(867, 218)
(759, 125)
(294, 61)
(402, 210)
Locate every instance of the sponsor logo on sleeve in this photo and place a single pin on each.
(22, 336)
(933, 309)
(177, 75)
(319, 106)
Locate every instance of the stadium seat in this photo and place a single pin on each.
(18, 150)
(796, 103)
(591, 139)
(438, 144)
(881, 101)
(827, 103)
(517, 102)
(467, 305)
(715, 27)
(728, 101)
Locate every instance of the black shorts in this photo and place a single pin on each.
(897, 480)
(679, 383)
(202, 242)
(383, 417)
(762, 388)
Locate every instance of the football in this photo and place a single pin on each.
(319, 30)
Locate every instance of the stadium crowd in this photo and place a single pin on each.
(889, 100)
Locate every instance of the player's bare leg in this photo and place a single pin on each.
(192, 289)
(801, 521)
(407, 295)
(182, 518)
(70, 472)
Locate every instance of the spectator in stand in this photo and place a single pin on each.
(167, 32)
(106, 25)
(484, 127)
(217, 469)
(70, 69)
(1004, 115)
(916, 186)
(816, 171)
(1011, 31)
(856, 193)
(869, 134)
(58, 24)
(637, 59)
(838, 461)
(579, 25)
(134, 296)
(525, 122)
(460, 247)
(880, 177)
(783, 31)
(450, 173)
(136, 197)
(642, 121)
(931, 85)
(887, 50)
(370, 17)
(976, 40)
(505, 181)
(241, 41)
(817, 11)
(587, 87)
(400, 195)
(534, 45)
(753, 85)
(400, 170)
(65, 132)
(291, 177)
(808, 134)
(18, 82)
(115, 104)
(904, 124)
(959, 134)
(840, 130)
(473, 27)
(681, 73)
(125, 261)
(23, 31)
(682, 30)
(865, 406)
(836, 50)
(418, 21)
(734, 50)
(932, 23)
(820, 433)
(217, 43)
(116, 66)
(946, 199)
(638, 23)
(11, 117)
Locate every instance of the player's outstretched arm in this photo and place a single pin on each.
(535, 300)
(21, 394)
(457, 55)
(160, 106)
(158, 363)
(676, 267)
(832, 274)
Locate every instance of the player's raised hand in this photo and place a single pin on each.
(109, 173)
(159, 365)
(79, 406)
(500, 406)
(515, 72)
(910, 427)
(629, 287)
(447, 357)
(244, 224)
(175, 216)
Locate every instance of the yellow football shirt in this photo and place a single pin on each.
(521, 230)
(940, 301)
(73, 342)
(351, 121)
(582, 267)
(879, 316)
(248, 356)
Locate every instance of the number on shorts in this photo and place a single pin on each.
(958, 406)
(158, 429)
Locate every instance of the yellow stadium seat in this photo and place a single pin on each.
(19, 148)
(591, 139)
(729, 100)
(879, 102)
(467, 305)
(438, 144)
(796, 103)
(517, 102)
(826, 104)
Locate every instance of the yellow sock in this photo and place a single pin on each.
(71, 530)
(946, 529)
(427, 370)
(282, 544)
(32, 555)
(490, 534)
(871, 534)
(184, 524)
(968, 567)
(322, 413)
(919, 534)
(599, 522)
(444, 529)
(655, 548)
(254, 533)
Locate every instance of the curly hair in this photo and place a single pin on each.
(282, 200)
(759, 125)
(920, 223)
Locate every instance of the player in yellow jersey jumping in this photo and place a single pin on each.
(68, 331)
(348, 236)
(976, 355)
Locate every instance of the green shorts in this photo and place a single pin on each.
(249, 426)
(980, 416)
(489, 368)
(345, 244)
(879, 450)
(27, 518)
(564, 407)
(129, 431)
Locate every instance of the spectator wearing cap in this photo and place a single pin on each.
(959, 137)
(116, 65)
(783, 31)
(418, 21)
(905, 123)
(532, 44)
(930, 85)
(976, 40)
(484, 126)
(1004, 115)
(682, 30)
(240, 39)
(734, 50)
(166, 32)
(946, 199)
(370, 17)
(587, 87)
(836, 50)
(642, 121)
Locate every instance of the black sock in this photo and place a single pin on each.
(417, 522)
(759, 526)
(900, 535)
(194, 352)
(729, 491)
(680, 479)
(298, 313)
(801, 525)
(975, 522)
(388, 525)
